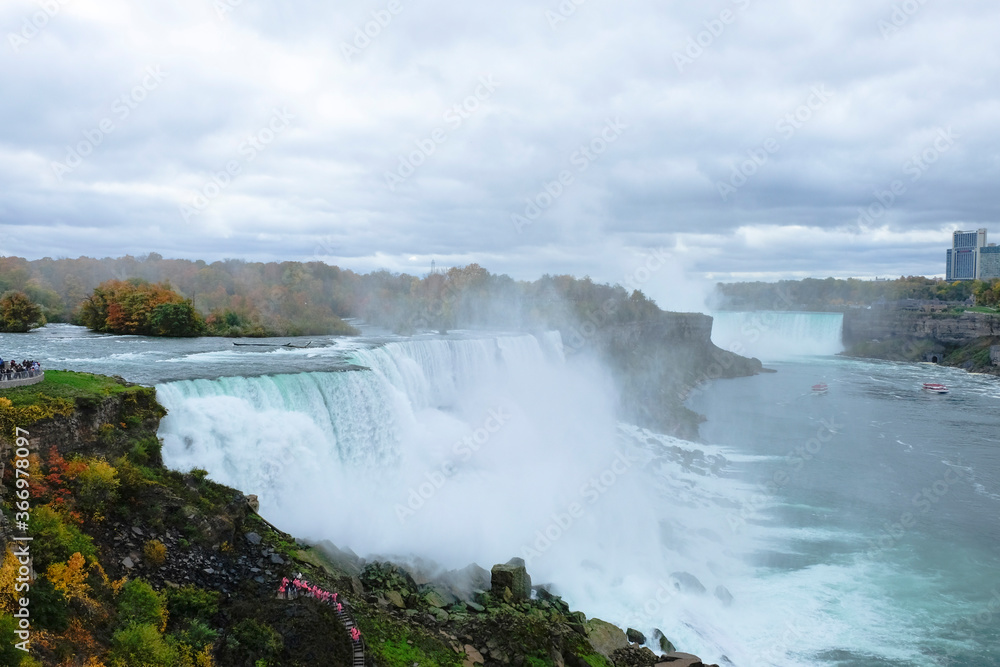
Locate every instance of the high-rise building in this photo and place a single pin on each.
(970, 258)
(989, 262)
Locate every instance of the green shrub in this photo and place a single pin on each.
(9, 654)
(253, 642)
(139, 604)
(193, 603)
(141, 644)
(55, 539)
(49, 607)
(197, 635)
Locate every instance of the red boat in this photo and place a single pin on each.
(820, 388)
(935, 388)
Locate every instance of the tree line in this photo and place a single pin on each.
(832, 293)
(151, 295)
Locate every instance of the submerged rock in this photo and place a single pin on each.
(724, 595)
(687, 583)
(665, 644)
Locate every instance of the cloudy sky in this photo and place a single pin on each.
(736, 139)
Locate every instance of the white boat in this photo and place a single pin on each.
(935, 388)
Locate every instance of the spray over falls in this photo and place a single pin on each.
(461, 451)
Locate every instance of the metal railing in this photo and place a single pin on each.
(20, 379)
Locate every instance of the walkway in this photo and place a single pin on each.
(290, 589)
(22, 379)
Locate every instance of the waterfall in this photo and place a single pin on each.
(464, 451)
(777, 335)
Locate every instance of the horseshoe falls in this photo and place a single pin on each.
(777, 542)
(770, 335)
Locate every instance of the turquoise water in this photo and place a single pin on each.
(890, 515)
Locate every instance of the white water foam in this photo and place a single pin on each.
(478, 450)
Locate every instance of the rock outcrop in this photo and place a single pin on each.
(511, 581)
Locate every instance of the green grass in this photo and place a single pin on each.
(981, 309)
(65, 384)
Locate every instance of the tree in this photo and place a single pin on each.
(175, 319)
(138, 307)
(18, 313)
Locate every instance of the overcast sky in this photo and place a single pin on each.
(738, 139)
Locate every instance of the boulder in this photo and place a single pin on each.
(395, 599)
(511, 576)
(665, 644)
(634, 656)
(680, 660)
(472, 657)
(635, 636)
(724, 595)
(686, 582)
(435, 599)
(605, 637)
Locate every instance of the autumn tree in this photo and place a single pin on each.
(18, 313)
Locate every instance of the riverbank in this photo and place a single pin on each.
(137, 564)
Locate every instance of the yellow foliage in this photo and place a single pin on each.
(204, 658)
(188, 657)
(116, 586)
(93, 661)
(155, 552)
(4, 403)
(8, 577)
(70, 578)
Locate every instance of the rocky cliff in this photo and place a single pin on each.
(658, 362)
(861, 325)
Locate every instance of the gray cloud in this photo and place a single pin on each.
(701, 91)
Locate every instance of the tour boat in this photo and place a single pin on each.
(935, 388)
(820, 388)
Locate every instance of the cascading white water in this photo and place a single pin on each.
(475, 451)
(776, 335)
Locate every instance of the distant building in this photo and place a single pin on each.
(989, 262)
(971, 257)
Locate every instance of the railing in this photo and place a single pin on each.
(10, 379)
